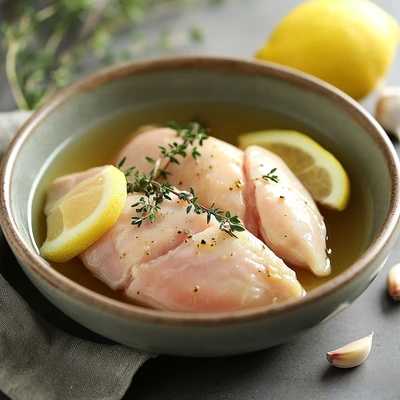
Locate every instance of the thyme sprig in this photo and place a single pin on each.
(227, 223)
(45, 47)
(271, 176)
(193, 132)
(154, 193)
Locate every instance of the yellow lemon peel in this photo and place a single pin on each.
(84, 215)
(349, 43)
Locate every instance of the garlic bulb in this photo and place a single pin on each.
(352, 354)
(388, 110)
(393, 282)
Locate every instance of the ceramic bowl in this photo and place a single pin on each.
(338, 119)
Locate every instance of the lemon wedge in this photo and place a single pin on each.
(84, 214)
(316, 168)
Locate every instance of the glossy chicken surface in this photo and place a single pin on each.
(120, 254)
(212, 271)
(289, 221)
(217, 174)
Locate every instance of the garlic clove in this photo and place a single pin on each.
(388, 110)
(393, 282)
(352, 354)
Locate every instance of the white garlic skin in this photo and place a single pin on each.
(393, 282)
(351, 355)
(388, 110)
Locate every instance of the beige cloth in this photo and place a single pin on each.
(41, 362)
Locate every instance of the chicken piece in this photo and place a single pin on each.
(216, 175)
(164, 264)
(211, 272)
(290, 222)
(124, 246)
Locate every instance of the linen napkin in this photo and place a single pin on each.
(39, 361)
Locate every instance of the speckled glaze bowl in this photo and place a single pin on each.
(338, 118)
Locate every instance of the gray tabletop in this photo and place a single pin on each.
(295, 370)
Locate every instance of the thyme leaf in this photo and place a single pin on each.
(270, 176)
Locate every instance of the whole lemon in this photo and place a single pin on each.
(348, 43)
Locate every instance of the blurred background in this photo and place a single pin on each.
(46, 45)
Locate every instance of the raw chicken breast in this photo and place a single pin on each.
(211, 272)
(290, 222)
(216, 175)
(164, 264)
(125, 246)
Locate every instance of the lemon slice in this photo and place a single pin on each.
(316, 168)
(84, 214)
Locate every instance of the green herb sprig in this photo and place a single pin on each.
(45, 47)
(154, 193)
(271, 176)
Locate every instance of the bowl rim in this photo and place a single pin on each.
(37, 265)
